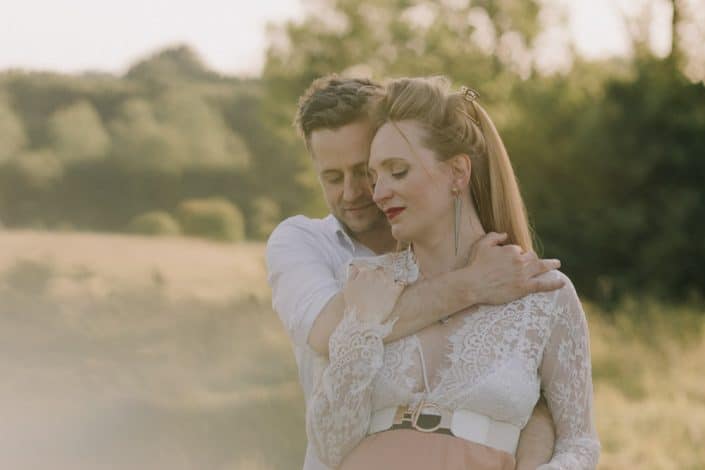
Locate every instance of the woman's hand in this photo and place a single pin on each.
(372, 293)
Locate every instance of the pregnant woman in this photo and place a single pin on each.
(457, 394)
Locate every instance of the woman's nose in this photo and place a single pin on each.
(381, 192)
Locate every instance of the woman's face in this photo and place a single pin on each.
(410, 185)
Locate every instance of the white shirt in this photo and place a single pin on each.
(305, 264)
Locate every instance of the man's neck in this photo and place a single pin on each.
(379, 240)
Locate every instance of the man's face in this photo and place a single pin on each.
(340, 158)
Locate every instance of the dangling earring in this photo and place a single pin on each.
(457, 202)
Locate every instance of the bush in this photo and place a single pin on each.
(215, 218)
(154, 223)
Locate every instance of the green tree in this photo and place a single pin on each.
(215, 218)
(36, 169)
(178, 63)
(206, 141)
(142, 144)
(12, 135)
(77, 133)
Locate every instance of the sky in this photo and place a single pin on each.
(73, 36)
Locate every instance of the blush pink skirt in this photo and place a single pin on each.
(406, 449)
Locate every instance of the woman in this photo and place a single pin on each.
(457, 394)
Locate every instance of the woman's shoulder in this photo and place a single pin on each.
(399, 264)
(561, 305)
(558, 296)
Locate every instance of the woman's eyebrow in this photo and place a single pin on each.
(390, 160)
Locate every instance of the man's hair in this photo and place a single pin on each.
(332, 102)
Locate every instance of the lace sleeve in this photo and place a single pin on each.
(566, 379)
(338, 412)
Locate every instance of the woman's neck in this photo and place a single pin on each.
(435, 250)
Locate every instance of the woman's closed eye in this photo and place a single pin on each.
(399, 174)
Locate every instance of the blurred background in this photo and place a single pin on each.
(147, 151)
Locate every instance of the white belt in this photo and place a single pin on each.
(466, 424)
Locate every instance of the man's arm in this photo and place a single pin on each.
(495, 275)
(537, 439)
(302, 278)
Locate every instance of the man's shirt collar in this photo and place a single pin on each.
(343, 235)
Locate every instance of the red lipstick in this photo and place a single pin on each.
(394, 211)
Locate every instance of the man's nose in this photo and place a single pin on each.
(352, 189)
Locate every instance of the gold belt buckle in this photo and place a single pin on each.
(424, 405)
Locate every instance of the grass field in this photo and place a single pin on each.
(124, 352)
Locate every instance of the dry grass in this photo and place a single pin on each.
(649, 372)
(107, 365)
(126, 352)
(84, 263)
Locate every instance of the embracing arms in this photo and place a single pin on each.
(496, 274)
(308, 298)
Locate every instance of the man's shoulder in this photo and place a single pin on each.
(301, 232)
(301, 222)
(300, 225)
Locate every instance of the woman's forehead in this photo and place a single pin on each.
(401, 140)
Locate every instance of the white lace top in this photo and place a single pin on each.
(492, 360)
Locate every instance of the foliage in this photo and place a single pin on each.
(36, 170)
(154, 223)
(95, 151)
(265, 215)
(77, 133)
(12, 135)
(215, 218)
(608, 154)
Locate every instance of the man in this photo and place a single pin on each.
(306, 257)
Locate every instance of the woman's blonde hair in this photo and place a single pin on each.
(456, 124)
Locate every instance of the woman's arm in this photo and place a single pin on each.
(338, 412)
(566, 380)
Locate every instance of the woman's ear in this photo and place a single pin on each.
(461, 169)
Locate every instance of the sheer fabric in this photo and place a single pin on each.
(493, 360)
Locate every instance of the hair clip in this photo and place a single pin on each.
(469, 94)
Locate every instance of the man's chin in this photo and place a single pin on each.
(372, 220)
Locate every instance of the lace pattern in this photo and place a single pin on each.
(496, 360)
(342, 395)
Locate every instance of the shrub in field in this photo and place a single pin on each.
(154, 223)
(215, 218)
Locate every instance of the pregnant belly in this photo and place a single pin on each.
(405, 449)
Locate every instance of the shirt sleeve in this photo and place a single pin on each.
(566, 380)
(301, 277)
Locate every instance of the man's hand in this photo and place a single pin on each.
(537, 439)
(372, 293)
(503, 273)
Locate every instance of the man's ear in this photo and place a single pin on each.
(461, 169)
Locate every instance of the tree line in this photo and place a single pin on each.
(610, 154)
